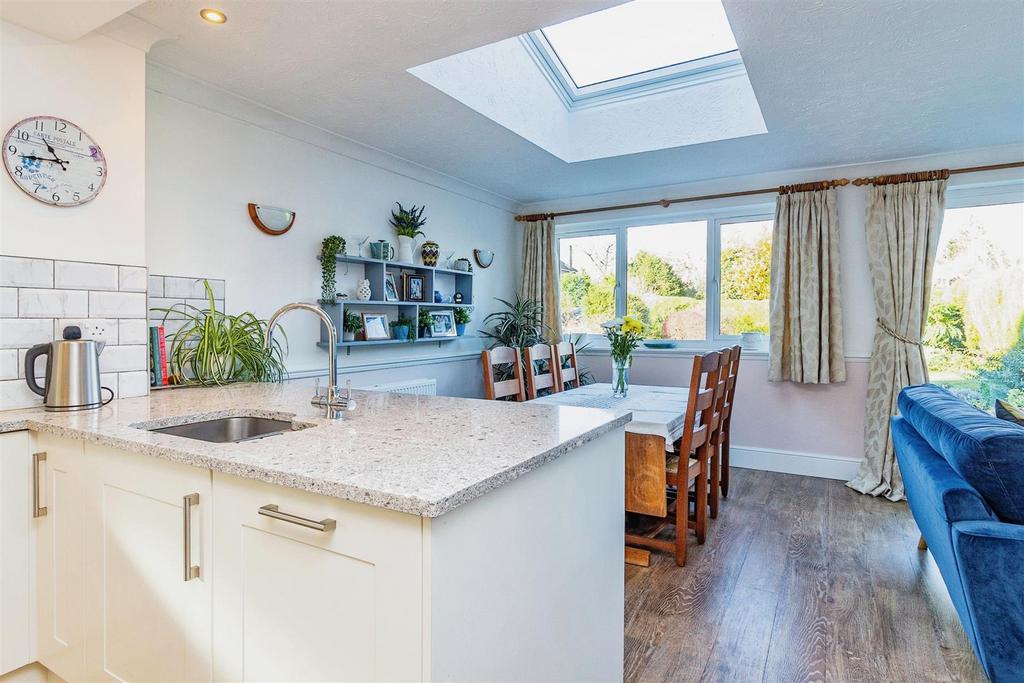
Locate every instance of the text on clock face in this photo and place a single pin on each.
(54, 161)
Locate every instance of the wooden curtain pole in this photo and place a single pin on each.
(931, 175)
(665, 203)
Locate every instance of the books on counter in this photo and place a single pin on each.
(158, 373)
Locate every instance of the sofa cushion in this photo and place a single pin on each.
(987, 452)
(1005, 411)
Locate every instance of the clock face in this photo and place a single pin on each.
(54, 161)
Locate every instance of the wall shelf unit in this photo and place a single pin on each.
(444, 280)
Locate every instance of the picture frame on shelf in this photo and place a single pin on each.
(442, 324)
(376, 327)
(413, 285)
(390, 288)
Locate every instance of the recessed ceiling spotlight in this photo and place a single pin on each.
(214, 16)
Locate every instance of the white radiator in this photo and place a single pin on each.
(423, 385)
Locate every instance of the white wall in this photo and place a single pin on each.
(210, 153)
(785, 426)
(98, 84)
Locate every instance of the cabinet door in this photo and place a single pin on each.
(147, 619)
(301, 604)
(60, 571)
(17, 529)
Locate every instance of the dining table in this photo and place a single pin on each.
(658, 414)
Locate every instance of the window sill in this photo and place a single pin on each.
(681, 351)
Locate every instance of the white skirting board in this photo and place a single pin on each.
(820, 465)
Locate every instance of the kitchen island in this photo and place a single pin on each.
(419, 537)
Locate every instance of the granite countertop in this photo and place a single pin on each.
(423, 455)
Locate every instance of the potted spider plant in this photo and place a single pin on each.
(214, 348)
(407, 223)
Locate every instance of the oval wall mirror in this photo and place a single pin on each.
(271, 219)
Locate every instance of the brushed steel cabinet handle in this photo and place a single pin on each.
(187, 502)
(272, 511)
(37, 509)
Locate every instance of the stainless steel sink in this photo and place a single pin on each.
(229, 429)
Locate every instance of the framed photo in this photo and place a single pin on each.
(413, 287)
(390, 288)
(375, 326)
(442, 324)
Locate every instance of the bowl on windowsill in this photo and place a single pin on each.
(660, 344)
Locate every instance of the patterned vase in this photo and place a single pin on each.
(430, 251)
(363, 292)
(620, 376)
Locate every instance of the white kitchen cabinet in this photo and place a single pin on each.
(16, 552)
(60, 568)
(298, 603)
(147, 615)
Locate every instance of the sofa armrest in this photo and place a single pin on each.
(990, 556)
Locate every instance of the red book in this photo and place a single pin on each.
(163, 354)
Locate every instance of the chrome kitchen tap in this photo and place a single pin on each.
(333, 402)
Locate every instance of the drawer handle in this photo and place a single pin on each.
(272, 511)
(191, 570)
(37, 509)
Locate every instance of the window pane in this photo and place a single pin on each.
(587, 281)
(746, 252)
(976, 311)
(667, 276)
(640, 36)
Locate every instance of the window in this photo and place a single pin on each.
(700, 279)
(667, 279)
(639, 37)
(587, 277)
(635, 48)
(975, 331)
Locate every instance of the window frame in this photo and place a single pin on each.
(714, 218)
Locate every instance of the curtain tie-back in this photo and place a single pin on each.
(896, 335)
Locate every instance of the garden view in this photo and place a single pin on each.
(975, 333)
(667, 280)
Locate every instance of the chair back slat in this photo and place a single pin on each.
(565, 355)
(494, 389)
(535, 380)
(699, 403)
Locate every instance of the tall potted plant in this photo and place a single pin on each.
(214, 348)
(407, 224)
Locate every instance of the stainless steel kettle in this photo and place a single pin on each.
(72, 372)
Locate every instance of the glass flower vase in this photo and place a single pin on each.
(620, 376)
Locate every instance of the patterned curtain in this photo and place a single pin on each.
(540, 272)
(805, 315)
(903, 224)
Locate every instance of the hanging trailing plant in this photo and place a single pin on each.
(329, 250)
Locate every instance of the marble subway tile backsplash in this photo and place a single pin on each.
(40, 297)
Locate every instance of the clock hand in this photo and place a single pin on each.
(52, 151)
(35, 158)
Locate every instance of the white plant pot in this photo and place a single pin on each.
(754, 340)
(405, 246)
(348, 336)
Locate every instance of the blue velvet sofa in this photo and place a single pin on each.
(963, 471)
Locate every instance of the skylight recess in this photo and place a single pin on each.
(639, 37)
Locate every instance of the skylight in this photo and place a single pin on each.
(639, 37)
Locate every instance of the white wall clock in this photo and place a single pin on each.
(54, 161)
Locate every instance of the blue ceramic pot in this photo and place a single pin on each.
(460, 329)
(400, 332)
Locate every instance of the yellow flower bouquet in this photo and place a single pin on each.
(624, 335)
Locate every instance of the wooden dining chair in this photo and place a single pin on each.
(565, 364)
(687, 466)
(541, 354)
(723, 434)
(720, 382)
(502, 355)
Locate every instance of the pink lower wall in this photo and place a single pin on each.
(823, 420)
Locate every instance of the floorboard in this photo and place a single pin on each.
(800, 579)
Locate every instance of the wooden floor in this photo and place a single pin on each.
(801, 579)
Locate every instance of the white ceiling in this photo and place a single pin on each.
(846, 81)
